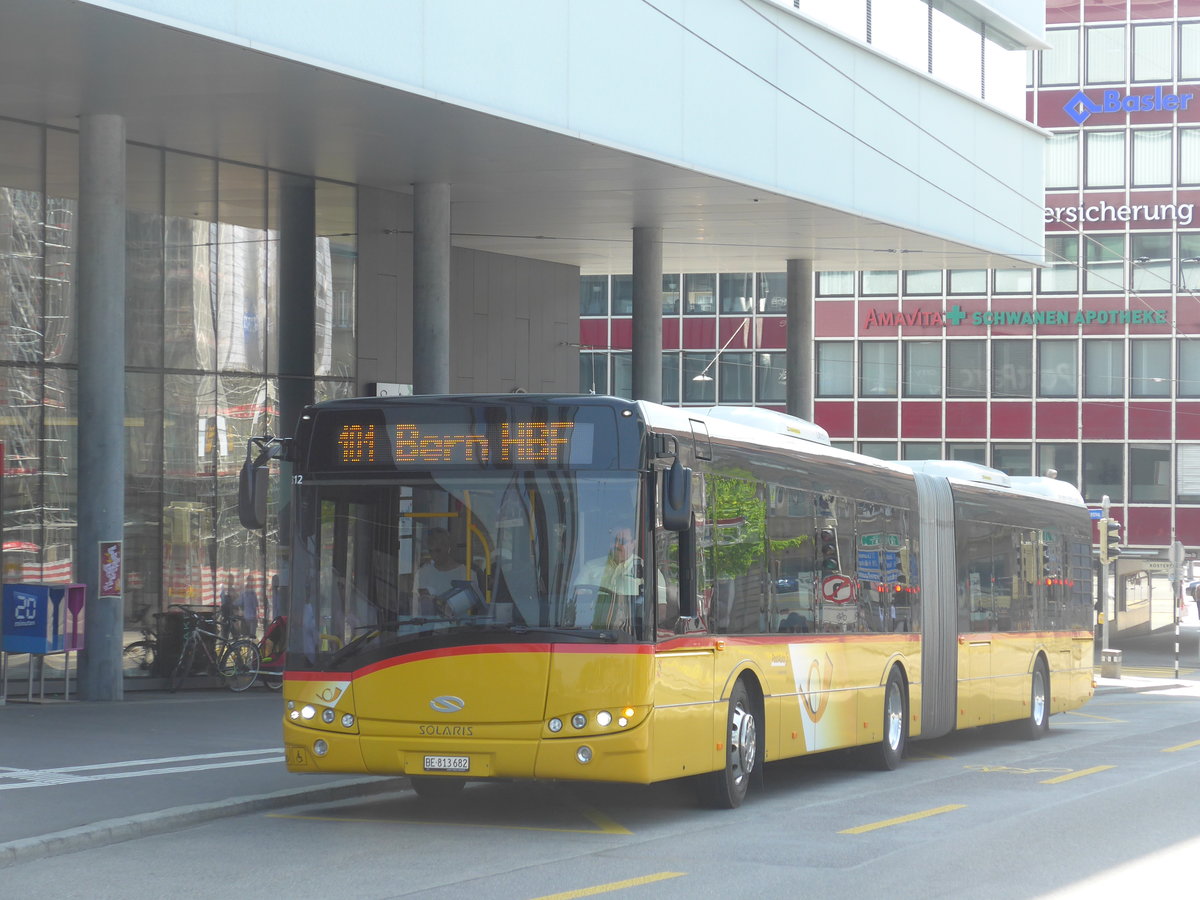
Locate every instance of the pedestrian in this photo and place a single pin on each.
(227, 611)
(249, 604)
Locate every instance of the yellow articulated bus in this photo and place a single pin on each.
(582, 587)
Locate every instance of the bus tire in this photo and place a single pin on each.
(436, 787)
(726, 788)
(1038, 721)
(886, 755)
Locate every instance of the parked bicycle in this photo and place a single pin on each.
(139, 655)
(236, 661)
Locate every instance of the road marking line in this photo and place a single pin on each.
(358, 820)
(912, 817)
(1186, 746)
(1083, 715)
(613, 886)
(1092, 771)
(30, 778)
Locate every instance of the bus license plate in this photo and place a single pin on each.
(447, 763)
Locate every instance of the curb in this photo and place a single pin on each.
(114, 831)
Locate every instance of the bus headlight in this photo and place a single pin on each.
(603, 718)
(579, 720)
(308, 711)
(555, 725)
(327, 716)
(320, 748)
(584, 755)
(347, 720)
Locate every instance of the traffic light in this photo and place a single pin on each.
(1110, 540)
(1048, 561)
(828, 549)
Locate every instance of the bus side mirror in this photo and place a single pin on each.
(252, 494)
(677, 498)
(253, 481)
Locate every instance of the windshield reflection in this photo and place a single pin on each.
(535, 555)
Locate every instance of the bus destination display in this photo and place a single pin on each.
(370, 444)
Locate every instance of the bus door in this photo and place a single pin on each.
(975, 643)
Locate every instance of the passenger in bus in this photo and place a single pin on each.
(794, 623)
(436, 576)
(610, 588)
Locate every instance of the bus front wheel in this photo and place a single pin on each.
(726, 788)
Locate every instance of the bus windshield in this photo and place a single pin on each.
(394, 566)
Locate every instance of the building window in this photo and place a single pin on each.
(771, 376)
(1189, 51)
(699, 385)
(593, 373)
(1102, 468)
(622, 375)
(699, 294)
(877, 369)
(1104, 158)
(1062, 161)
(1188, 383)
(1103, 368)
(1152, 53)
(736, 378)
(1150, 368)
(1014, 281)
(1059, 461)
(1060, 64)
(670, 377)
(1105, 61)
(772, 292)
(1189, 263)
(835, 369)
(879, 283)
(966, 369)
(1151, 255)
(593, 295)
(670, 295)
(924, 282)
(919, 450)
(835, 284)
(1187, 473)
(1152, 157)
(622, 295)
(737, 292)
(1150, 473)
(878, 449)
(1012, 369)
(1189, 156)
(968, 281)
(1057, 369)
(1061, 275)
(1104, 272)
(922, 368)
(967, 452)
(1012, 459)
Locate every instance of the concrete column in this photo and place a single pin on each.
(431, 289)
(647, 314)
(100, 313)
(800, 338)
(297, 293)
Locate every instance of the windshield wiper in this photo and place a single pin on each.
(598, 634)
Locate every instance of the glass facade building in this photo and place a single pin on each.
(202, 370)
(1088, 365)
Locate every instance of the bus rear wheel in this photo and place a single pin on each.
(1037, 723)
(726, 788)
(887, 753)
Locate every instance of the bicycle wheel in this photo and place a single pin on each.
(239, 665)
(139, 657)
(183, 666)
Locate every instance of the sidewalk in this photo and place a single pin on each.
(76, 775)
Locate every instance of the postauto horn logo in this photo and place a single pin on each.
(1081, 106)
